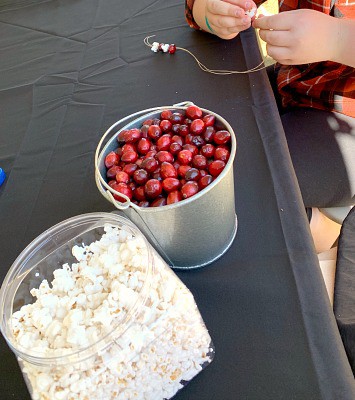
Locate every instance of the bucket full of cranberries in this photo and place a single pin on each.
(170, 170)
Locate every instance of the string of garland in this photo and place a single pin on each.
(171, 48)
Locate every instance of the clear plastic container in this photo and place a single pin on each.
(93, 312)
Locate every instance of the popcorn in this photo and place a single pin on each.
(251, 13)
(140, 335)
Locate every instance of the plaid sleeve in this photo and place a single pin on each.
(188, 14)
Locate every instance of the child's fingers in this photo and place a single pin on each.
(275, 22)
(244, 4)
(228, 23)
(223, 8)
(275, 38)
(280, 54)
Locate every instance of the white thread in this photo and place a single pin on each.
(259, 67)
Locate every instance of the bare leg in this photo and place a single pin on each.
(324, 231)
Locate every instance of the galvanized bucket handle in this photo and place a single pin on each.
(107, 191)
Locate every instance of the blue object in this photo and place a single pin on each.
(2, 176)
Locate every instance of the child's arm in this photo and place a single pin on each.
(226, 18)
(306, 36)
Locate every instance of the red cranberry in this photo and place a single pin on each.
(207, 150)
(153, 188)
(176, 118)
(143, 146)
(172, 49)
(176, 129)
(150, 164)
(205, 181)
(167, 170)
(222, 137)
(163, 142)
(175, 147)
(164, 155)
(159, 202)
(188, 138)
(177, 139)
(216, 167)
(128, 147)
(129, 156)
(166, 114)
(191, 147)
(192, 174)
(112, 182)
(222, 153)
(184, 130)
(132, 135)
(148, 122)
(111, 172)
(111, 159)
(199, 161)
(151, 153)
(184, 157)
(154, 131)
(144, 131)
(165, 125)
(197, 126)
(140, 176)
(171, 184)
(122, 176)
(183, 169)
(198, 141)
(174, 197)
(120, 136)
(124, 189)
(189, 189)
(209, 119)
(208, 134)
(139, 193)
(193, 112)
(130, 168)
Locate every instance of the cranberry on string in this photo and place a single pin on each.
(172, 48)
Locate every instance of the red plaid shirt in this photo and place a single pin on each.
(323, 85)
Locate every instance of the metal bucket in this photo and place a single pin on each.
(193, 232)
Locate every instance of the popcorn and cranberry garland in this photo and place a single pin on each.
(165, 48)
(157, 47)
(165, 343)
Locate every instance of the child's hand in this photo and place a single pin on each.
(299, 36)
(227, 18)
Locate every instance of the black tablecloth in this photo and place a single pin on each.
(68, 70)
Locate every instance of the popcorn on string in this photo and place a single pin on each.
(171, 49)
